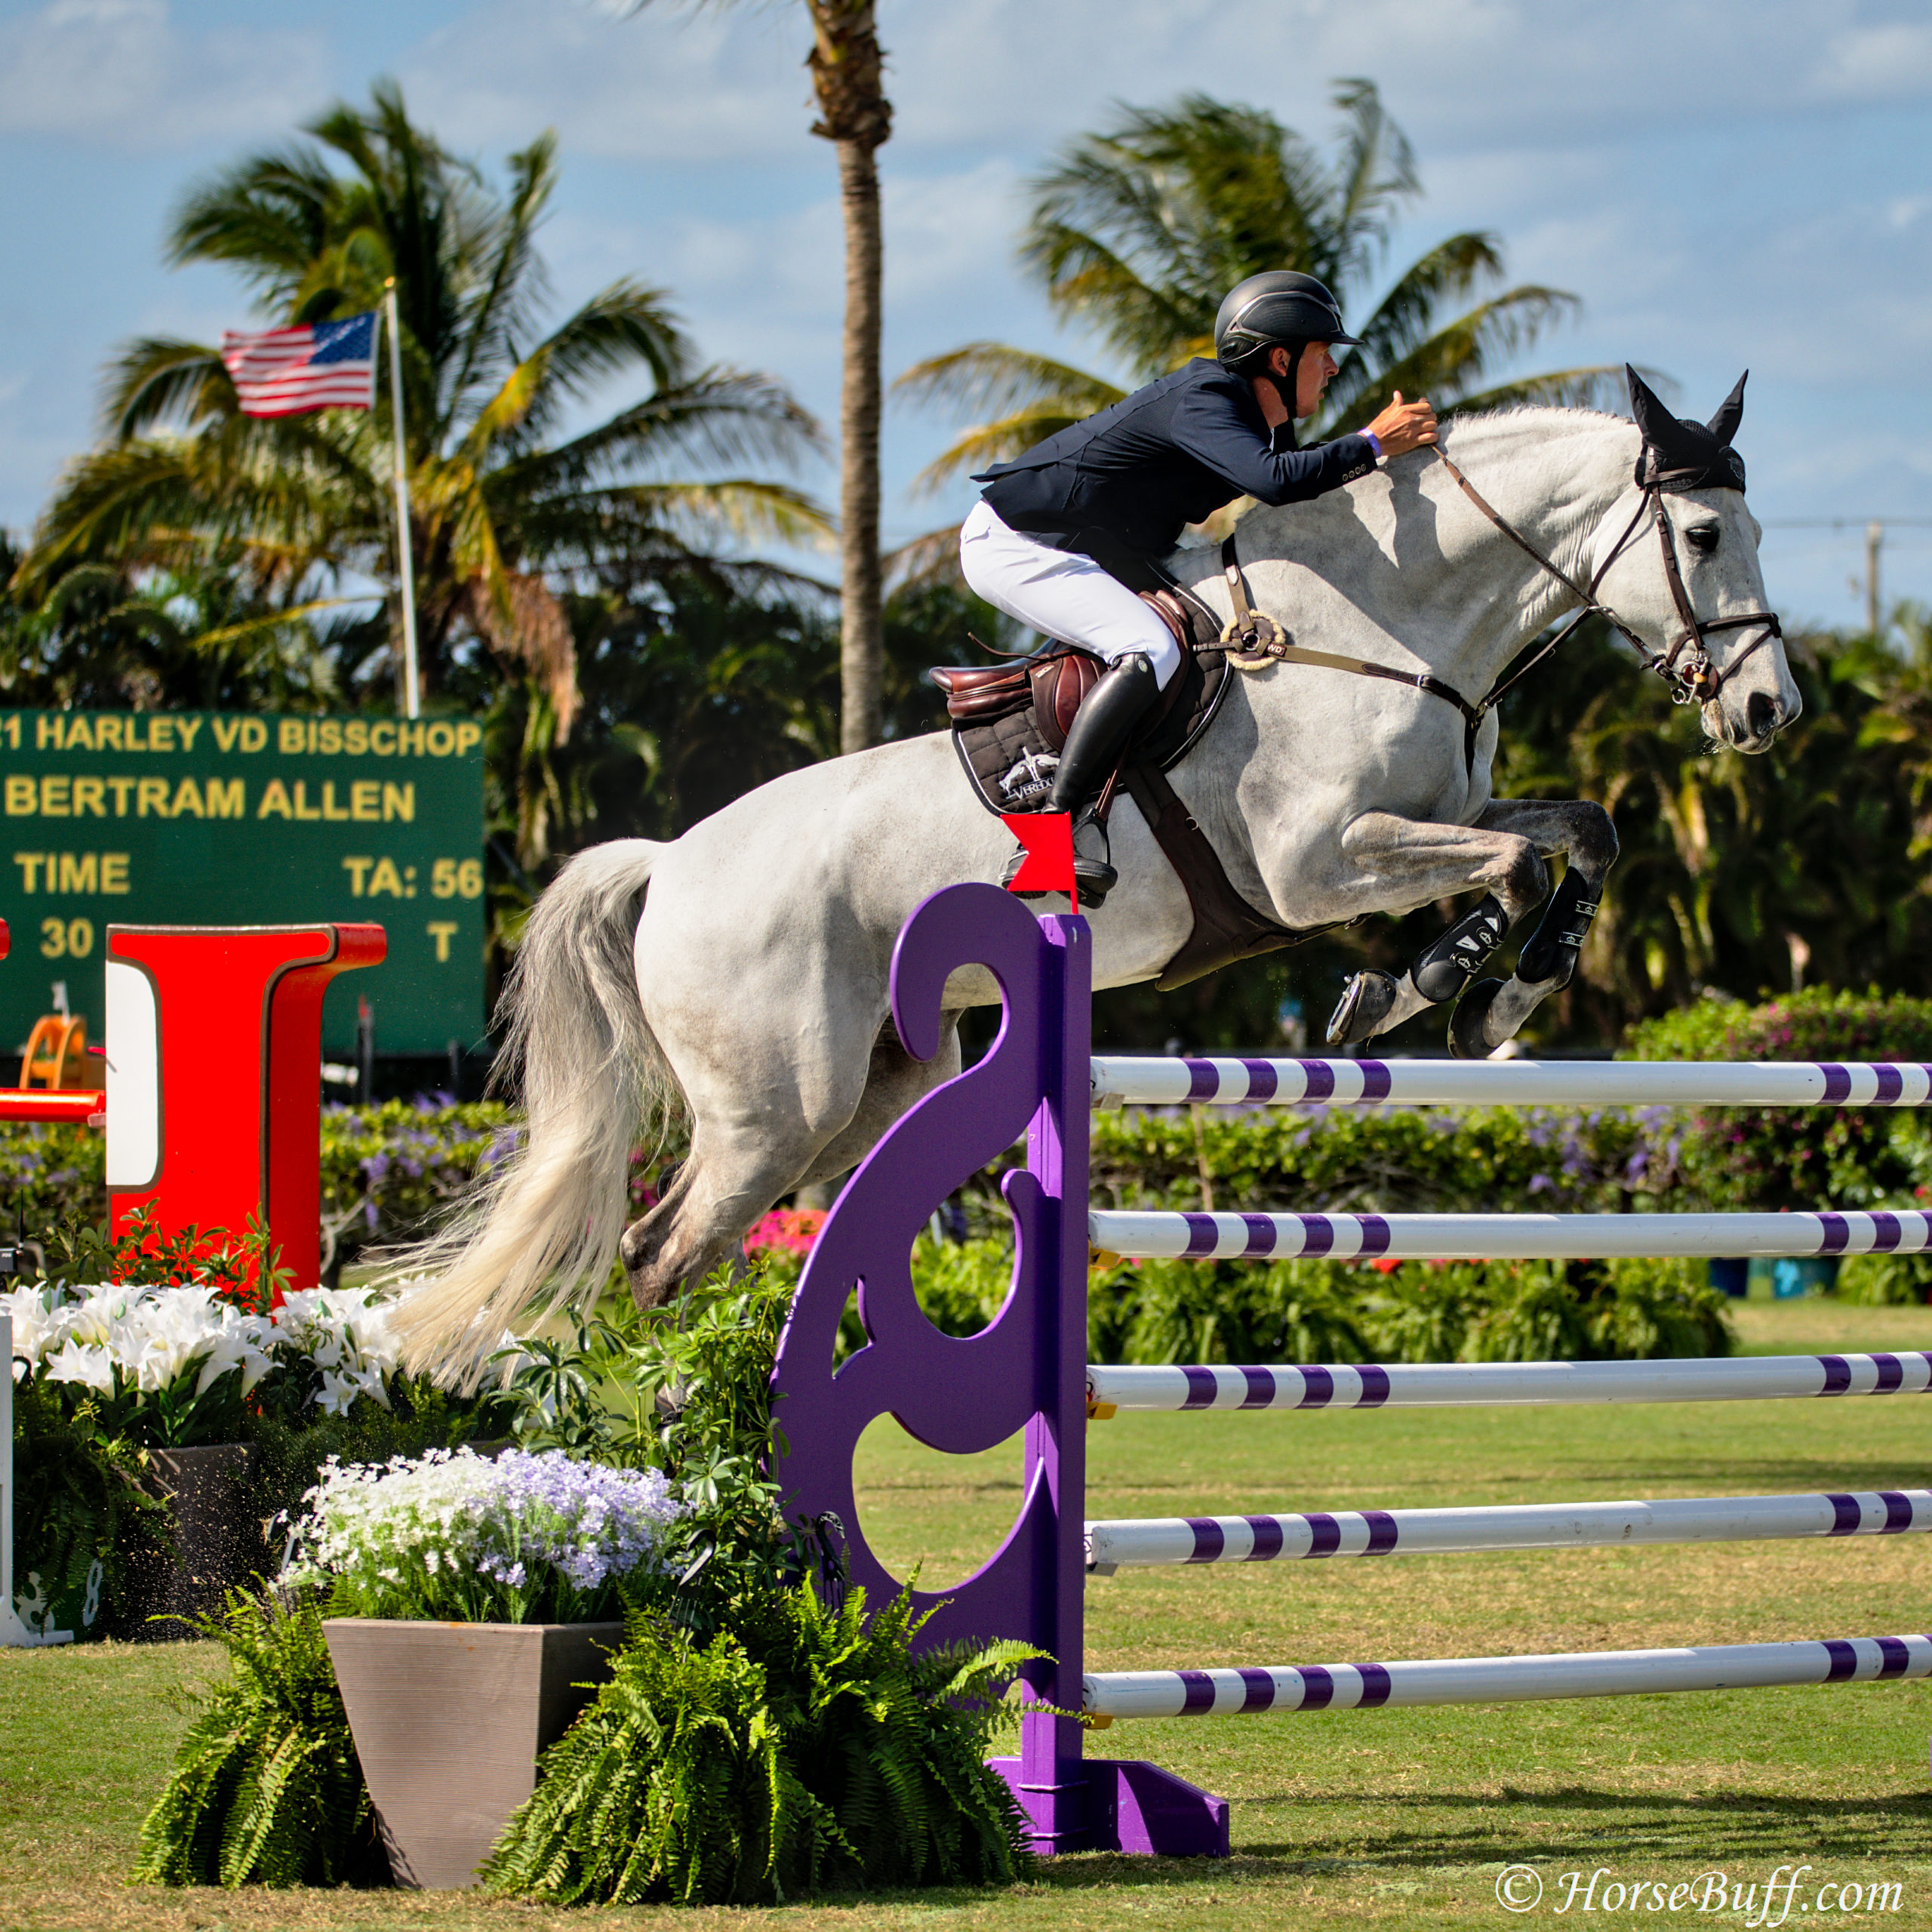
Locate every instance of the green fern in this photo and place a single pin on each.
(266, 1788)
(807, 1748)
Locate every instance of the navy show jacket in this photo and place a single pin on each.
(1170, 454)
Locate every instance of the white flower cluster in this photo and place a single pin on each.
(347, 1333)
(156, 1337)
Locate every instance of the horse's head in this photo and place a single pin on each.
(1694, 598)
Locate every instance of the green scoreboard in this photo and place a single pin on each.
(190, 818)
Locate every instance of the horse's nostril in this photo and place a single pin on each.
(1762, 715)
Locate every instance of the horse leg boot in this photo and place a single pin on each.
(1124, 695)
(1494, 1010)
(1438, 974)
(1426, 860)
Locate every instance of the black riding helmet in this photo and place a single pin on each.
(1282, 309)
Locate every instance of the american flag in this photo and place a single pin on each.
(289, 372)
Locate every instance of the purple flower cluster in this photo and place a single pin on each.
(591, 1523)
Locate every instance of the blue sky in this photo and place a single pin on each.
(1724, 183)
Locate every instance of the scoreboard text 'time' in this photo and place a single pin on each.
(207, 818)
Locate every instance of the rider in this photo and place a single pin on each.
(1123, 483)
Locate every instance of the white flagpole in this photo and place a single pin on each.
(412, 699)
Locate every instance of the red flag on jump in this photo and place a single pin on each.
(1048, 838)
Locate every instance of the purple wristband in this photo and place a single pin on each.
(1373, 440)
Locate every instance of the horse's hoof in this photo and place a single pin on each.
(1370, 999)
(1466, 1024)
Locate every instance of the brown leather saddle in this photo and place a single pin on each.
(1010, 723)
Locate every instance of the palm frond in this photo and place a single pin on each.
(721, 415)
(990, 443)
(1375, 172)
(506, 292)
(1451, 363)
(1405, 317)
(930, 559)
(992, 378)
(267, 218)
(158, 380)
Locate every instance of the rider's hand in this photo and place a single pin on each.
(1404, 426)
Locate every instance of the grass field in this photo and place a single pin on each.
(1379, 1818)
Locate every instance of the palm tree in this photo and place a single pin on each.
(846, 70)
(1137, 234)
(503, 508)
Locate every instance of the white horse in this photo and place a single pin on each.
(740, 971)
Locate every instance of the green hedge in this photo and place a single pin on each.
(1764, 1158)
(1343, 1311)
(1381, 1160)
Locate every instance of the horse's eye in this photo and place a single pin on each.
(1702, 538)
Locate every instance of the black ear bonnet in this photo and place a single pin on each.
(1679, 454)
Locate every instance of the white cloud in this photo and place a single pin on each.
(122, 74)
(1879, 63)
(726, 88)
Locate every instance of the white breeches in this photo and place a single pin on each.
(1061, 592)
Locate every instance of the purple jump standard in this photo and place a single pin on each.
(1027, 1369)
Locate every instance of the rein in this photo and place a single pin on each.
(1254, 640)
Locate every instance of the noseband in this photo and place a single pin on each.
(1686, 667)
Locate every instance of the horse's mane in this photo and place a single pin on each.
(1331, 520)
(1529, 415)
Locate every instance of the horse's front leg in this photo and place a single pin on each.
(1406, 862)
(1494, 1010)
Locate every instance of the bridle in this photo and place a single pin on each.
(1253, 640)
(1685, 666)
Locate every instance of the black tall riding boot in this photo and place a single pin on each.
(1101, 728)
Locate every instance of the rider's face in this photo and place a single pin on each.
(1318, 366)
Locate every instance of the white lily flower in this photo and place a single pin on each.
(77, 1362)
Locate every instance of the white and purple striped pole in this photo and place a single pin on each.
(1118, 1082)
(1489, 1384)
(1174, 1693)
(1132, 1543)
(1172, 1236)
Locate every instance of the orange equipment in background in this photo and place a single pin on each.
(56, 1054)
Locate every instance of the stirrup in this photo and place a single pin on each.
(1093, 878)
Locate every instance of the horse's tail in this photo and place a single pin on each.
(547, 1221)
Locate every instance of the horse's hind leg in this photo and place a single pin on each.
(895, 1081)
(1494, 1010)
(737, 1172)
(730, 1177)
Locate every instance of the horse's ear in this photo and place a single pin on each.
(1730, 413)
(1658, 425)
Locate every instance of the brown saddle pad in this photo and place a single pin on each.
(1009, 721)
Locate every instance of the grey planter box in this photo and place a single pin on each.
(448, 1720)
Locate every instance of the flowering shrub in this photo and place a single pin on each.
(172, 1367)
(1764, 1158)
(389, 1170)
(785, 1231)
(524, 1539)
